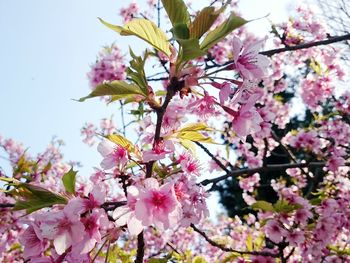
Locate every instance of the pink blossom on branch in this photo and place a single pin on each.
(114, 155)
(63, 229)
(248, 62)
(157, 205)
(125, 215)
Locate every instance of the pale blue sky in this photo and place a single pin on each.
(46, 48)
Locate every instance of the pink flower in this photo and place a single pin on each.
(248, 61)
(77, 206)
(129, 12)
(158, 205)
(64, 230)
(302, 215)
(295, 238)
(89, 131)
(334, 162)
(113, 154)
(247, 121)
(93, 223)
(203, 107)
(33, 242)
(225, 91)
(125, 215)
(159, 151)
(189, 165)
(274, 231)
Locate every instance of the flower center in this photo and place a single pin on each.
(158, 199)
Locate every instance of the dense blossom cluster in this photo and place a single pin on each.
(109, 66)
(152, 191)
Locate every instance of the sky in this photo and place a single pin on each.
(46, 48)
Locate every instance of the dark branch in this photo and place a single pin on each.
(267, 168)
(272, 52)
(328, 41)
(140, 248)
(227, 249)
(6, 205)
(216, 160)
(109, 206)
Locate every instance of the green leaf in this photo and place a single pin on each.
(157, 260)
(249, 242)
(199, 259)
(31, 198)
(190, 49)
(68, 180)
(177, 11)
(315, 201)
(8, 180)
(339, 251)
(258, 242)
(283, 206)
(118, 88)
(191, 132)
(316, 66)
(204, 20)
(200, 126)
(136, 70)
(189, 145)
(146, 30)
(222, 31)
(194, 136)
(263, 205)
(181, 31)
(123, 142)
(230, 258)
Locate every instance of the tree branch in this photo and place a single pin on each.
(216, 160)
(267, 168)
(140, 248)
(328, 41)
(272, 52)
(227, 249)
(109, 206)
(6, 205)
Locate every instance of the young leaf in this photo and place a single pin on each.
(157, 260)
(194, 136)
(199, 259)
(190, 49)
(263, 205)
(222, 31)
(136, 70)
(181, 31)
(123, 142)
(146, 30)
(195, 127)
(189, 145)
(116, 87)
(203, 21)
(283, 206)
(68, 180)
(32, 198)
(249, 242)
(177, 11)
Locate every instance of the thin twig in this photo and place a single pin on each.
(140, 248)
(328, 41)
(227, 249)
(267, 168)
(216, 160)
(272, 52)
(6, 205)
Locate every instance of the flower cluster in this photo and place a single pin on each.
(280, 133)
